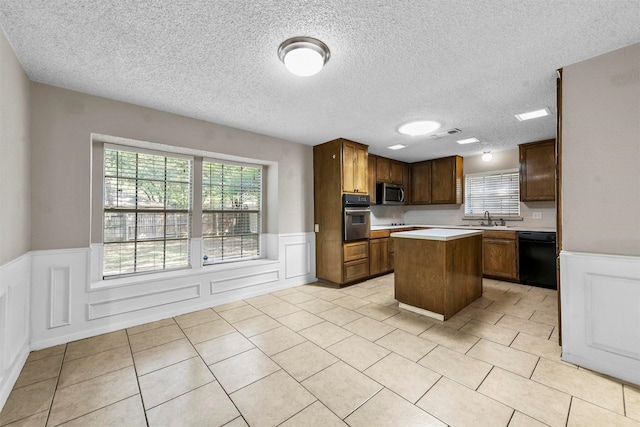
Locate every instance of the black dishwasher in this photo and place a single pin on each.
(537, 258)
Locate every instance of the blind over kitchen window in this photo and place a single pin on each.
(231, 211)
(147, 211)
(497, 192)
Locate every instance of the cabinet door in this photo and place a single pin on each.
(538, 171)
(378, 256)
(446, 181)
(383, 167)
(499, 258)
(406, 180)
(372, 178)
(348, 167)
(421, 183)
(395, 172)
(361, 182)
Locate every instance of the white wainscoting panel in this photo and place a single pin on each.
(98, 306)
(601, 313)
(297, 259)
(14, 321)
(140, 302)
(229, 282)
(60, 296)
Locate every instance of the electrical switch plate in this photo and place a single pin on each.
(316, 228)
(537, 215)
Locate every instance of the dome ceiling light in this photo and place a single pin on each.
(303, 56)
(487, 156)
(418, 128)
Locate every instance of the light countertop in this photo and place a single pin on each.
(465, 227)
(437, 234)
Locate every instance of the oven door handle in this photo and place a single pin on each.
(356, 211)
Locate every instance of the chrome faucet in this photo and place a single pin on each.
(488, 219)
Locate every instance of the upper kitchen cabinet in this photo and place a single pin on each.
(372, 178)
(389, 171)
(446, 180)
(420, 183)
(538, 171)
(437, 181)
(355, 167)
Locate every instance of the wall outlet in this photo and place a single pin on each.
(316, 228)
(537, 215)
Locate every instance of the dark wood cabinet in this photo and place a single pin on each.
(447, 180)
(420, 183)
(355, 167)
(538, 171)
(379, 252)
(372, 178)
(438, 181)
(389, 171)
(406, 181)
(500, 254)
(339, 166)
(356, 261)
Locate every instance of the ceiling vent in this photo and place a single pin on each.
(445, 133)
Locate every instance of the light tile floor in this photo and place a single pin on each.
(315, 356)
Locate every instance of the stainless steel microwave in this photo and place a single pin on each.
(389, 194)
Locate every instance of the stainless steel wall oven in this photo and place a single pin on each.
(356, 217)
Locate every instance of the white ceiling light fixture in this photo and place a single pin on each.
(533, 114)
(304, 56)
(397, 147)
(421, 127)
(468, 140)
(487, 156)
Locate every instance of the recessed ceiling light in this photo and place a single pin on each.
(303, 56)
(468, 140)
(397, 147)
(421, 127)
(533, 114)
(487, 156)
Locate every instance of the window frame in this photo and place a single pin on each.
(468, 193)
(259, 211)
(136, 210)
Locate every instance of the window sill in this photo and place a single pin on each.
(176, 274)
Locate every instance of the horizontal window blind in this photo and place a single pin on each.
(496, 192)
(147, 212)
(231, 211)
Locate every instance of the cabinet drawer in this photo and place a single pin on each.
(496, 234)
(356, 270)
(355, 251)
(378, 234)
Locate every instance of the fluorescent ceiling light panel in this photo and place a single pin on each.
(533, 114)
(468, 140)
(397, 147)
(421, 127)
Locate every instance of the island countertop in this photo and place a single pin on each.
(443, 234)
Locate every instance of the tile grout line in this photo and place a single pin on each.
(55, 390)
(135, 371)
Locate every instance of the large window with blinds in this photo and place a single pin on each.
(231, 211)
(497, 192)
(147, 211)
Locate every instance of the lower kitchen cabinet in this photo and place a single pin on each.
(500, 254)
(379, 256)
(356, 261)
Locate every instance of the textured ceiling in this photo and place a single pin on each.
(467, 64)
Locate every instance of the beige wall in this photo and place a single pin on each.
(502, 160)
(62, 124)
(15, 195)
(601, 154)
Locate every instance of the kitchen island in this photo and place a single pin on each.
(438, 271)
